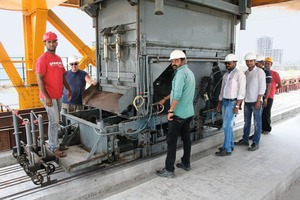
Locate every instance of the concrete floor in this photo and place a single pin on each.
(263, 174)
(293, 193)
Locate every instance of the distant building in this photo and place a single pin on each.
(265, 47)
(264, 43)
(275, 54)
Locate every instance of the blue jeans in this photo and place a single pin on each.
(53, 125)
(248, 110)
(178, 126)
(228, 116)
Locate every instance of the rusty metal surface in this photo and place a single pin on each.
(107, 101)
(7, 137)
(89, 93)
(267, 2)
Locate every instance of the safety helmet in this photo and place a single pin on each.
(268, 59)
(49, 36)
(72, 59)
(250, 56)
(176, 54)
(260, 58)
(230, 57)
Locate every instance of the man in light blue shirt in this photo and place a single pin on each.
(180, 114)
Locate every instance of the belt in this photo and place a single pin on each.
(229, 99)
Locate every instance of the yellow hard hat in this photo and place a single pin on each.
(268, 59)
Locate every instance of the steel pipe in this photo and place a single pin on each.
(159, 7)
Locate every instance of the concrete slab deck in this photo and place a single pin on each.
(262, 174)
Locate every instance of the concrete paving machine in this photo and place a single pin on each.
(134, 39)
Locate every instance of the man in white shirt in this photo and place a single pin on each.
(231, 96)
(255, 89)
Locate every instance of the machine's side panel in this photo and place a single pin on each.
(190, 26)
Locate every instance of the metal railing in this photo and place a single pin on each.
(21, 68)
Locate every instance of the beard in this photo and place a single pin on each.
(51, 49)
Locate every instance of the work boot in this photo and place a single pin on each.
(253, 147)
(183, 166)
(242, 142)
(165, 173)
(223, 152)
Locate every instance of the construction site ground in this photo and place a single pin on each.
(271, 172)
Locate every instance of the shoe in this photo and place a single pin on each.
(253, 147)
(265, 132)
(63, 147)
(182, 166)
(220, 148)
(251, 137)
(242, 142)
(223, 152)
(60, 153)
(165, 173)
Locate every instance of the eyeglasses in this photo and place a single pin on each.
(74, 63)
(174, 60)
(227, 63)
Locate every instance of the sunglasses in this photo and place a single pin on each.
(74, 63)
(227, 63)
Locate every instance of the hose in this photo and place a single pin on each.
(135, 100)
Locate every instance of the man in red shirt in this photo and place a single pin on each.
(50, 77)
(275, 84)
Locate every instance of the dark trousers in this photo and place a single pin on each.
(178, 126)
(266, 116)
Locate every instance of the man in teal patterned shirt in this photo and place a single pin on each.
(180, 114)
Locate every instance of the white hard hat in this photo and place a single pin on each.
(176, 54)
(250, 56)
(72, 59)
(230, 57)
(260, 58)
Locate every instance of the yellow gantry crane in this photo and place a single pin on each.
(36, 13)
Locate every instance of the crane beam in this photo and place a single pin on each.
(35, 16)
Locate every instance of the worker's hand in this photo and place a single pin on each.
(48, 102)
(94, 82)
(257, 105)
(161, 102)
(265, 103)
(69, 95)
(170, 116)
(236, 110)
(219, 107)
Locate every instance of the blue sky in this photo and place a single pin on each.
(276, 22)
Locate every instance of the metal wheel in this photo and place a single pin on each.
(22, 160)
(15, 154)
(37, 179)
(51, 168)
(27, 171)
